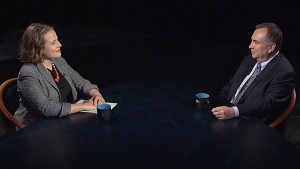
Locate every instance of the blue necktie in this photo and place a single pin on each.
(247, 84)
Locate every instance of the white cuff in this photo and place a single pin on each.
(236, 111)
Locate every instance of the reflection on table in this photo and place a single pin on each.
(154, 125)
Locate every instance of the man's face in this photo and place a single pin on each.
(260, 48)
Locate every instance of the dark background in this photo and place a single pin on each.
(229, 21)
(221, 22)
(201, 42)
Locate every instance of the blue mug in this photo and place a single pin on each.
(202, 100)
(104, 112)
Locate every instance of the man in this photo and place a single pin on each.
(263, 83)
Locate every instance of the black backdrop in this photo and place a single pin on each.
(229, 21)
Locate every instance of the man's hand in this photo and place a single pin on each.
(223, 112)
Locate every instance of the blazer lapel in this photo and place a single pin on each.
(60, 66)
(46, 75)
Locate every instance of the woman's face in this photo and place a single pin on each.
(52, 45)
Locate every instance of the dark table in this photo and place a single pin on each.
(155, 125)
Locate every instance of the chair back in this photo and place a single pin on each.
(282, 121)
(9, 101)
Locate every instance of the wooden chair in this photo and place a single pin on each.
(280, 124)
(9, 101)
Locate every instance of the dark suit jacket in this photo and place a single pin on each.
(269, 93)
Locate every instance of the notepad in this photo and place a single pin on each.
(95, 110)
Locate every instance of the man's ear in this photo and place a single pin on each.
(271, 47)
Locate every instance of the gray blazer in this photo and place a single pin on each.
(39, 94)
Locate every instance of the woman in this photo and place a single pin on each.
(47, 85)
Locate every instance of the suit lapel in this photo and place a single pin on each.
(262, 76)
(244, 71)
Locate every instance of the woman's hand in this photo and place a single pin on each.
(89, 105)
(96, 97)
(98, 100)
